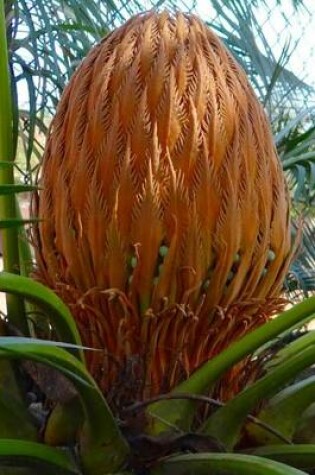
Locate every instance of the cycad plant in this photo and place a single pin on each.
(158, 163)
(163, 199)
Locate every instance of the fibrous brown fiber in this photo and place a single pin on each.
(165, 212)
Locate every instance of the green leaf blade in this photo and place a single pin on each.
(10, 189)
(21, 453)
(58, 313)
(179, 412)
(102, 446)
(283, 412)
(15, 222)
(301, 456)
(227, 422)
(222, 464)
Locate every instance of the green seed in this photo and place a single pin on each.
(163, 251)
(155, 281)
(130, 279)
(271, 255)
(134, 262)
(236, 258)
(264, 272)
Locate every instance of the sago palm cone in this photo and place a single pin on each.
(165, 212)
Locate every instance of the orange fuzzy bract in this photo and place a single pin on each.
(162, 200)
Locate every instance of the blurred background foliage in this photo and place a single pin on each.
(47, 39)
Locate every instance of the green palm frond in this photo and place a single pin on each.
(238, 25)
(301, 279)
(296, 146)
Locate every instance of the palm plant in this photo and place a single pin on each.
(153, 434)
